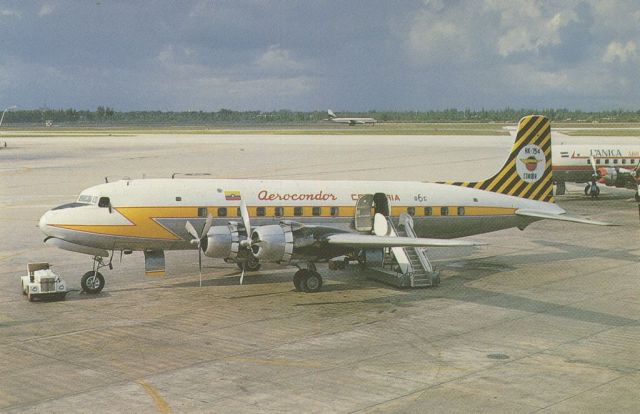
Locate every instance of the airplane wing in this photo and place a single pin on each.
(560, 217)
(372, 241)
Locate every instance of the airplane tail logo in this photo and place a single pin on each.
(527, 171)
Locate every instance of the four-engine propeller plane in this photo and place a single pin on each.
(302, 222)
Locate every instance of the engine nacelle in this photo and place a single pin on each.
(272, 243)
(608, 176)
(222, 242)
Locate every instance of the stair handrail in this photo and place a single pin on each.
(407, 222)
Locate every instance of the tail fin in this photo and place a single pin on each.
(527, 171)
(330, 113)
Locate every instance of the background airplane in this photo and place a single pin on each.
(350, 121)
(611, 165)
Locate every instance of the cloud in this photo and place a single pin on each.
(46, 10)
(621, 53)
(9, 13)
(278, 59)
(417, 54)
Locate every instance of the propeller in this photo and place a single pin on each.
(593, 165)
(197, 239)
(246, 221)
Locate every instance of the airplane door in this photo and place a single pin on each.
(364, 207)
(364, 219)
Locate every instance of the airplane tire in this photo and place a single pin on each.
(298, 278)
(312, 282)
(249, 265)
(637, 197)
(586, 189)
(561, 188)
(91, 285)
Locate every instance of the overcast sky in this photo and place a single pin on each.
(312, 55)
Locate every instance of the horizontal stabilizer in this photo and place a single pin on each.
(371, 241)
(561, 217)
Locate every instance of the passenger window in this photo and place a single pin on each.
(104, 202)
(606, 161)
(461, 211)
(598, 161)
(334, 211)
(260, 212)
(428, 211)
(615, 161)
(222, 212)
(315, 211)
(202, 212)
(624, 161)
(238, 214)
(279, 211)
(411, 211)
(444, 211)
(297, 211)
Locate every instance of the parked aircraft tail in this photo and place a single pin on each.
(527, 171)
(330, 113)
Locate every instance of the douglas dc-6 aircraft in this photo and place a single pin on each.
(350, 121)
(303, 222)
(612, 165)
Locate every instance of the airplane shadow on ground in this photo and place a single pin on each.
(456, 276)
(456, 286)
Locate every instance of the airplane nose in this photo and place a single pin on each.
(43, 223)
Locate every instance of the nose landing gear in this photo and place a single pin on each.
(93, 282)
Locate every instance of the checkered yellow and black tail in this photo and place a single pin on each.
(527, 171)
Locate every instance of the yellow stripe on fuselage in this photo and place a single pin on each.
(144, 223)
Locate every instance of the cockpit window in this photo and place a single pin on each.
(84, 198)
(69, 205)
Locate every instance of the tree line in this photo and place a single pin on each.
(104, 115)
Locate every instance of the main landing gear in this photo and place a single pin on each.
(592, 189)
(92, 282)
(308, 280)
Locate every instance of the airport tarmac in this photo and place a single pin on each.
(546, 319)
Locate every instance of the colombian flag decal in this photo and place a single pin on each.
(232, 195)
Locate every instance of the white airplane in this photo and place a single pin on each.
(303, 222)
(350, 121)
(612, 165)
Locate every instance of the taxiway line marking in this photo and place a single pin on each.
(161, 405)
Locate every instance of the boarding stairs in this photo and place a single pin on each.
(406, 266)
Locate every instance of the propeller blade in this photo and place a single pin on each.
(207, 226)
(242, 274)
(593, 165)
(200, 263)
(192, 230)
(245, 217)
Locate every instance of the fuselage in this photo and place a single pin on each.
(152, 213)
